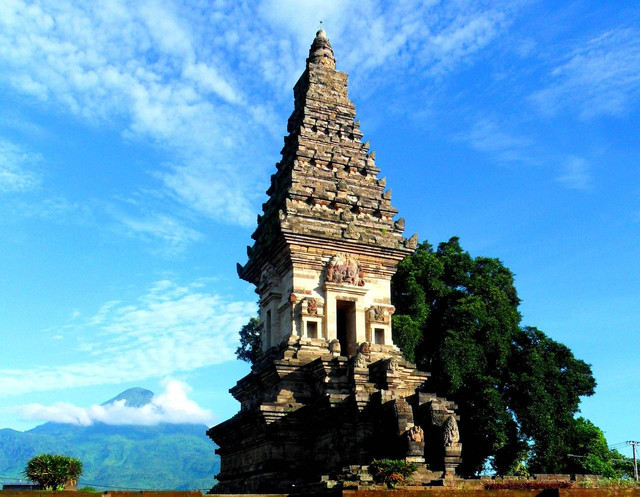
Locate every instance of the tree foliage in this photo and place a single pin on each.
(53, 471)
(517, 389)
(250, 343)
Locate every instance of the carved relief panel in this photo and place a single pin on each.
(344, 269)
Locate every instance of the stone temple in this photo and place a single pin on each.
(330, 391)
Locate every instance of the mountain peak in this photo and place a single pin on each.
(133, 397)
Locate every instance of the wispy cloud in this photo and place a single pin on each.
(172, 406)
(16, 172)
(488, 136)
(170, 328)
(576, 174)
(600, 77)
(174, 236)
(505, 147)
(212, 85)
(56, 208)
(135, 64)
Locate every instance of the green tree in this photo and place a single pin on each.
(250, 342)
(591, 453)
(53, 471)
(517, 389)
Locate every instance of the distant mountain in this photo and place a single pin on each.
(134, 397)
(165, 456)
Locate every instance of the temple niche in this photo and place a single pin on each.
(330, 391)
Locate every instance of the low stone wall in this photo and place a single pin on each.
(107, 493)
(476, 491)
(480, 492)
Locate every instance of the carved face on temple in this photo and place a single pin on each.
(344, 269)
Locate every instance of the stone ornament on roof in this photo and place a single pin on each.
(321, 51)
(343, 269)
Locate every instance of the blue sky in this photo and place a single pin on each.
(137, 139)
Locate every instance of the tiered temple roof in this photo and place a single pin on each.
(326, 185)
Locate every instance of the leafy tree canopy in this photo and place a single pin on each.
(250, 343)
(517, 389)
(53, 471)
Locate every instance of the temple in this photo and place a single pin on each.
(330, 391)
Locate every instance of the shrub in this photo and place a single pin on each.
(391, 471)
(53, 471)
(527, 485)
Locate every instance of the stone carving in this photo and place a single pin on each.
(450, 431)
(392, 365)
(346, 216)
(269, 276)
(403, 414)
(321, 52)
(402, 408)
(312, 306)
(344, 269)
(415, 434)
(376, 313)
(412, 242)
(365, 348)
(351, 232)
(361, 360)
(334, 347)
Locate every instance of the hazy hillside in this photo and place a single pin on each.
(155, 457)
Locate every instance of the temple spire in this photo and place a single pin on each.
(321, 51)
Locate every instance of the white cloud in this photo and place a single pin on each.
(575, 174)
(172, 406)
(171, 232)
(502, 146)
(169, 329)
(487, 136)
(428, 37)
(56, 208)
(600, 77)
(135, 64)
(15, 172)
(211, 83)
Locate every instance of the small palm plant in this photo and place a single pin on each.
(53, 471)
(392, 471)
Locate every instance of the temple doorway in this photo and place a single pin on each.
(346, 326)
